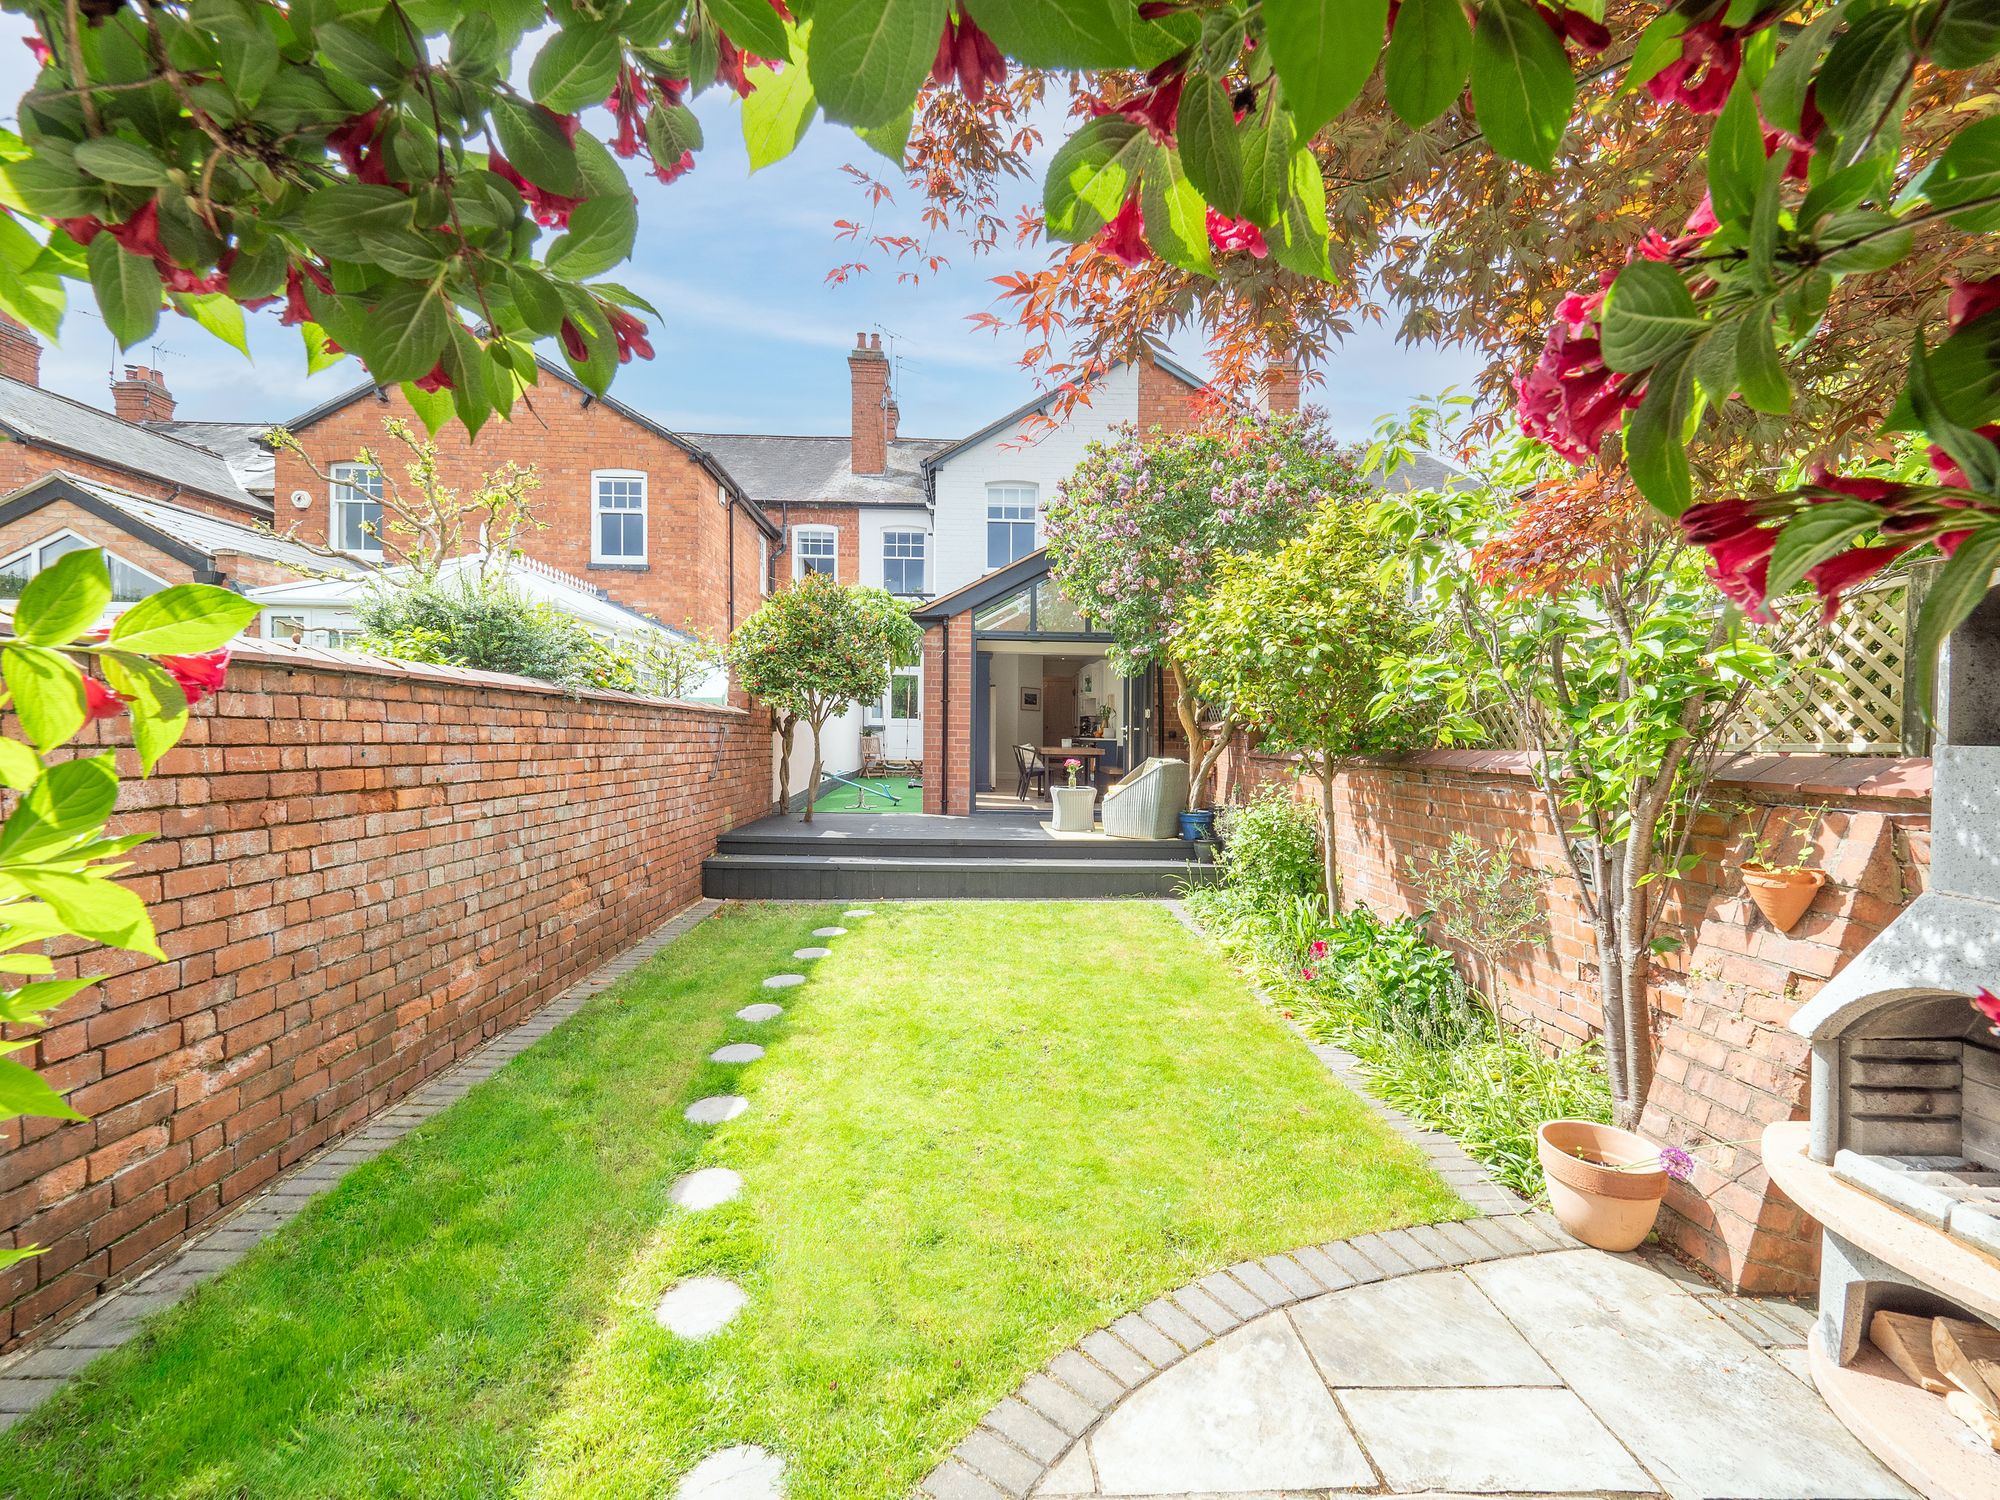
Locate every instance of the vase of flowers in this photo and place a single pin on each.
(1076, 806)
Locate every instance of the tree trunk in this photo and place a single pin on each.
(787, 727)
(1328, 855)
(1187, 707)
(812, 787)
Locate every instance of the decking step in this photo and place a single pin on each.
(845, 877)
(1088, 851)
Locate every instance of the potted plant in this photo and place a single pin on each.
(1076, 806)
(1605, 1184)
(1782, 891)
(1198, 823)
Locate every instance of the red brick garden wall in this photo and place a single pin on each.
(1727, 1064)
(361, 873)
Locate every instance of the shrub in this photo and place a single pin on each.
(486, 625)
(1270, 851)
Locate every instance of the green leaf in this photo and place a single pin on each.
(1299, 239)
(1967, 33)
(1658, 45)
(1736, 156)
(755, 27)
(1888, 245)
(405, 334)
(1430, 53)
(1863, 71)
(1092, 175)
(1815, 534)
(111, 158)
(1268, 145)
(1324, 51)
(1713, 361)
(93, 907)
(1968, 170)
(20, 767)
(776, 117)
(1759, 370)
(1078, 33)
(1648, 314)
(869, 57)
(1175, 216)
(1781, 96)
(1209, 152)
(1522, 86)
(1956, 591)
(578, 66)
(1655, 437)
(47, 689)
(27, 1002)
(184, 620)
(248, 53)
(536, 147)
(350, 51)
(600, 361)
(433, 408)
(70, 803)
(128, 290)
(217, 312)
(319, 356)
(1973, 454)
(601, 232)
(23, 1092)
(159, 707)
(891, 138)
(63, 601)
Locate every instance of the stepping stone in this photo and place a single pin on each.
(709, 1188)
(783, 981)
(1492, 1440)
(1247, 1412)
(737, 1052)
(715, 1109)
(829, 932)
(1446, 1334)
(810, 953)
(859, 911)
(700, 1307)
(745, 1472)
(764, 1011)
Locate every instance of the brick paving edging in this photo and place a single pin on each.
(29, 1376)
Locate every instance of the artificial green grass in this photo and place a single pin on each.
(981, 1130)
(907, 790)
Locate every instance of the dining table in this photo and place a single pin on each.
(1054, 755)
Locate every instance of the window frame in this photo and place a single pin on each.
(921, 557)
(831, 536)
(598, 512)
(1012, 495)
(339, 477)
(70, 533)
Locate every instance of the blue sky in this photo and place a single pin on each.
(752, 338)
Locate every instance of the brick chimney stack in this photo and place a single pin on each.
(868, 373)
(20, 352)
(1281, 389)
(895, 415)
(142, 396)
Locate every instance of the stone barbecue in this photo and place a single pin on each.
(1900, 1161)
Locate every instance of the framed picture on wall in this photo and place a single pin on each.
(1031, 697)
(1086, 683)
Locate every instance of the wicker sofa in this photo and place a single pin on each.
(1147, 804)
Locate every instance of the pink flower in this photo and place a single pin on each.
(1308, 974)
(198, 676)
(1227, 234)
(1571, 399)
(1972, 300)
(99, 702)
(1702, 76)
(354, 142)
(1988, 1005)
(1846, 571)
(1948, 471)
(1318, 948)
(1157, 108)
(43, 55)
(551, 210)
(437, 380)
(967, 54)
(630, 334)
(674, 171)
(1124, 238)
(296, 276)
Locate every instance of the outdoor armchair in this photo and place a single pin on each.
(1147, 804)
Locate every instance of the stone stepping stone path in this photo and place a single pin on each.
(700, 1307)
(763, 1011)
(829, 932)
(859, 911)
(715, 1109)
(783, 981)
(711, 1187)
(812, 953)
(737, 1052)
(745, 1472)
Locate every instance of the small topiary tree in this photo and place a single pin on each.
(816, 650)
(1293, 638)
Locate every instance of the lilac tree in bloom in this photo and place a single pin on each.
(1136, 532)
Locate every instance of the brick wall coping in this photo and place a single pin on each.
(1900, 778)
(325, 659)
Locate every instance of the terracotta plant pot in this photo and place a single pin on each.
(1782, 895)
(1599, 1204)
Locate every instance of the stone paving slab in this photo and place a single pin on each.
(1421, 1330)
(1545, 1441)
(29, 1376)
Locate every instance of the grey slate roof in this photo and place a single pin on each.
(781, 470)
(1424, 471)
(236, 444)
(32, 415)
(187, 534)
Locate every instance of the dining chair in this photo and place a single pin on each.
(1034, 771)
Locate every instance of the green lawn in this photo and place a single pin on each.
(981, 1131)
(837, 798)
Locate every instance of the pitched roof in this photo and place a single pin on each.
(238, 444)
(1026, 409)
(695, 451)
(783, 470)
(44, 419)
(1423, 471)
(193, 537)
(1001, 582)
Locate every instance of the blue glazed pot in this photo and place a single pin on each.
(1198, 825)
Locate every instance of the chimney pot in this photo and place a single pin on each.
(142, 396)
(893, 415)
(20, 352)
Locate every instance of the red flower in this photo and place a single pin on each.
(1799, 143)
(43, 54)
(354, 142)
(1124, 238)
(1226, 233)
(1702, 76)
(1970, 300)
(1571, 399)
(198, 676)
(99, 702)
(296, 274)
(1702, 222)
(1308, 974)
(1848, 570)
(1318, 948)
(573, 342)
(967, 54)
(675, 171)
(551, 210)
(730, 63)
(1574, 26)
(1157, 107)
(437, 380)
(630, 334)
(1988, 1005)
(1948, 471)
